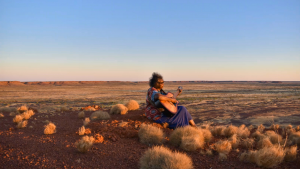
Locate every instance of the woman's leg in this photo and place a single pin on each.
(192, 123)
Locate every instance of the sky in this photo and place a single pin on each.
(215, 40)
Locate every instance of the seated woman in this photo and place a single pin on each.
(164, 117)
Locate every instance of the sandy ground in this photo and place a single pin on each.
(217, 103)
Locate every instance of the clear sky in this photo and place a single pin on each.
(61, 40)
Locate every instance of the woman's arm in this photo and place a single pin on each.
(164, 98)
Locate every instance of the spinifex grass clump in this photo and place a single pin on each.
(18, 118)
(160, 157)
(50, 128)
(22, 109)
(218, 130)
(247, 143)
(188, 138)
(274, 137)
(81, 130)
(86, 121)
(149, 134)
(243, 132)
(132, 105)
(269, 156)
(223, 147)
(1, 115)
(290, 153)
(27, 114)
(81, 115)
(230, 130)
(22, 124)
(100, 115)
(118, 109)
(85, 144)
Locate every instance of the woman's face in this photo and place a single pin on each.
(159, 84)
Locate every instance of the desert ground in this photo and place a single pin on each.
(209, 103)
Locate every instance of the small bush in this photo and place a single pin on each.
(230, 130)
(64, 109)
(290, 153)
(132, 105)
(18, 118)
(50, 128)
(222, 157)
(86, 121)
(257, 135)
(85, 144)
(100, 115)
(81, 130)
(81, 115)
(1, 115)
(22, 109)
(118, 109)
(223, 146)
(289, 127)
(22, 124)
(149, 134)
(185, 136)
(160, 157)
(269, 156)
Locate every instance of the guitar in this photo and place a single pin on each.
(170, 106)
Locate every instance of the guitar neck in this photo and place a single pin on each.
(175, 94)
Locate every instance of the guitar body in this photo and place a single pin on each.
(171, 107)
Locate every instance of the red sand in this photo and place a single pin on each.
(30, 148)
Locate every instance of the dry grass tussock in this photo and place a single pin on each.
(248, 156)
(188, 138)
(218, 131)
(274, 137)
(234, 141)
(91, 109)
(85, 144)
(86, 121)
(230, 130)
(298, 128)
(64, 109)
(132, 105)
(223, 146)
(160, 157)
(18, 118)
(289, 127)
(265, 142)
(1, 115)
(257, 135)
(207, 135)
(22, 124)
(22, 109)
(269, 156)
(119, 109)
(81, 115)
(50, 128)
(149, 134)
(275, 127)
(222, 157)
(27, 114)
(260, 128)
(243, 132)
(247, 143)
(99, 138)
(81, 130)
(290, 153)
(100, 115)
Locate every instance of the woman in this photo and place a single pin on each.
(167, 119)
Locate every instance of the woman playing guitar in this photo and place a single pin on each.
(178, 118)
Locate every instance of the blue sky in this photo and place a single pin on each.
(128, 40)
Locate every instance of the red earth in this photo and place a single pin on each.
(31, 148)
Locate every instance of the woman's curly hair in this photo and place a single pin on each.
(154, 78)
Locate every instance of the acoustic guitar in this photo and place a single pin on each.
(170, 106)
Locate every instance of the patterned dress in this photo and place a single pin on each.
(180, 119)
